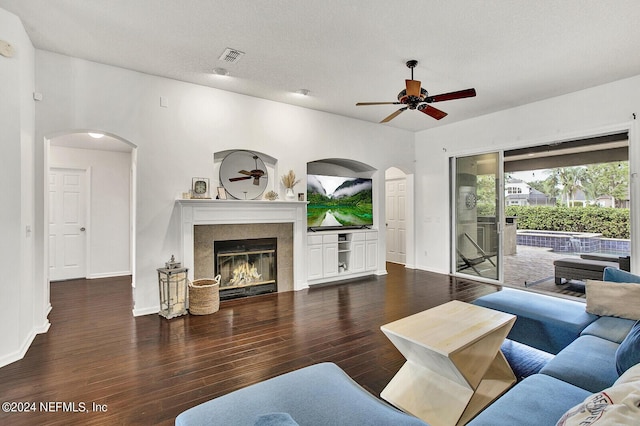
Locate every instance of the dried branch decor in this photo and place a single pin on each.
(289, 180)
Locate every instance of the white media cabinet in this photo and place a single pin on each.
(341, 254)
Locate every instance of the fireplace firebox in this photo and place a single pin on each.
(246, 267)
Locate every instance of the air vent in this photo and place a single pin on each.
(231, 56)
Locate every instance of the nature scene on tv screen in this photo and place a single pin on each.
(339, 201)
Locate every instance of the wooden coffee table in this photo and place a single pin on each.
(454, 364)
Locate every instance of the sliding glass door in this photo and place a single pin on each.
(477, 211)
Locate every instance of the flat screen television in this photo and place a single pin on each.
(336, 202)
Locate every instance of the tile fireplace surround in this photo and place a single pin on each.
(204, 221)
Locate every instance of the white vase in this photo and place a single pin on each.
(289, 194)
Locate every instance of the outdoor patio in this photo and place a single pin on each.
(532, 268)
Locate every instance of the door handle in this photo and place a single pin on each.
(83, 229)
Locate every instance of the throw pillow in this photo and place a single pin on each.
(619, 276)
(617, 405)
(613, 299)
(275, 419)
(628, 353)
(631, 375)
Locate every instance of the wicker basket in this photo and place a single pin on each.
(204, 296)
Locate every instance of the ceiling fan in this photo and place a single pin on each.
(415, 97)
(254, 174)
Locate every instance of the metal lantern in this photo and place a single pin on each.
(172, 282)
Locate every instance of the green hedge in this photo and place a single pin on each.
(610, 222)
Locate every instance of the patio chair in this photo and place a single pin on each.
(472, 262)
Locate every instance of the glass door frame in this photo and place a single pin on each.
(500, 218)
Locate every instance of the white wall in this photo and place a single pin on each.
(178, 142)
(599, 110)
(23, 312)
(109, 206)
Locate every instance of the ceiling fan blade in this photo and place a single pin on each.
(467, 93)
(244, 172)
(393, 115)
(256, 180)
(239, 178)
(377, 103)
(431, 111)
(413, 88)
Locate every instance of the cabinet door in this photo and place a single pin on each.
(358, 256)
(314, 262)
(330, 259)
(372, 255)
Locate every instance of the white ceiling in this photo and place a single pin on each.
(512, 52)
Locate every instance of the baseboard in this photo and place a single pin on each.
(20, 353)
(108, 275)
(381, 272)
(43, 328)
(145, 311)
(437, 271)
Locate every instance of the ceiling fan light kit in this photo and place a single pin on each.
(417, 98)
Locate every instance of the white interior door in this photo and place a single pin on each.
(67, 224)
(396, 220)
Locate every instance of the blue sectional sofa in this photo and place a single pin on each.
(585, 366)
(321, 394)
(591, 352)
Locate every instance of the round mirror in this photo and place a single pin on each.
(243, 175)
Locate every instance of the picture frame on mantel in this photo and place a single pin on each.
(222, 193)
(200, 188)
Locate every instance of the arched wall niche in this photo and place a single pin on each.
(340, 167)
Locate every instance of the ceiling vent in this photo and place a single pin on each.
(231, 56)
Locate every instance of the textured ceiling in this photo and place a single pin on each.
(512, 52)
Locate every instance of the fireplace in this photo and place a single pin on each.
(246, 267)
(203, 222)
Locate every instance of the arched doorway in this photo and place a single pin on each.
(89, 204)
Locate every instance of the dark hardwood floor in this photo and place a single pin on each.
(146, 370)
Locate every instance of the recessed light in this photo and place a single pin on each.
(221, 71)
(303, 92)
(96, 135)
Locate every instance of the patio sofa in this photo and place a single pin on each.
(603, 348)
(588, 266)
(571, 268)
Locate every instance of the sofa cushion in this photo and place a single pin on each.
(614, 299)
(537, 400)
(589, 362)
(275, 419)
(628, 353)
(617, 405)
(544, 322)
(610, 328)
(321, 394)
(619, 276)
(524, 360)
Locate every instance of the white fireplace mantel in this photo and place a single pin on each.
(226, 212)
